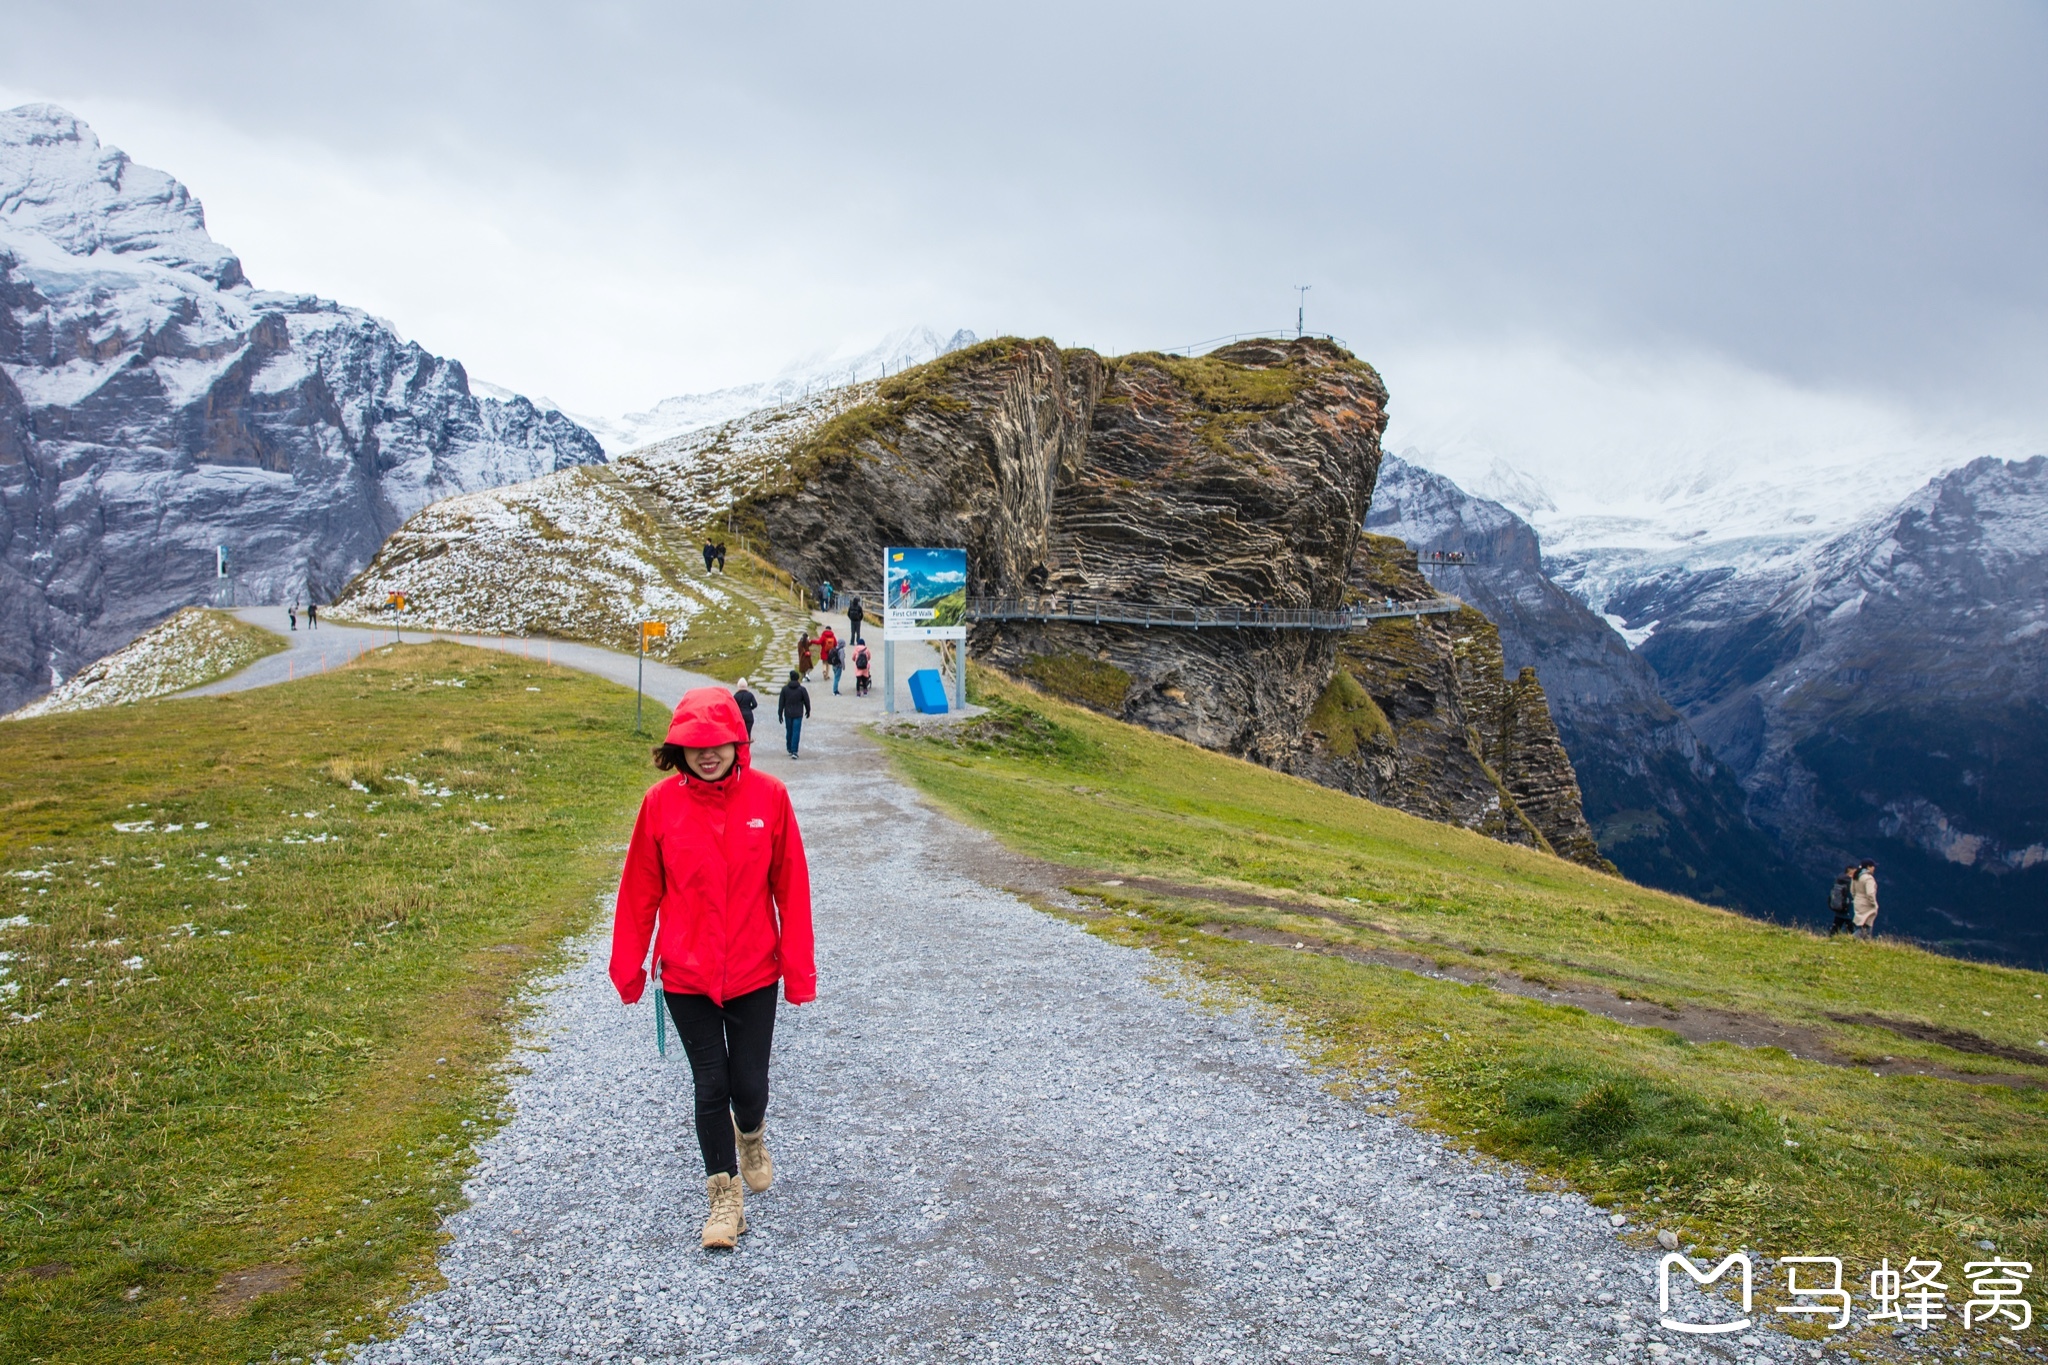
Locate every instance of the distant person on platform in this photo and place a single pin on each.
(292, 614)
(744, 698)
(1842, 902)
(312, 616)
(791, 707)
(1864, 894)
(825, 594)
(855, 614)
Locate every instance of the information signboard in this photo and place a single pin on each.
(924, 594)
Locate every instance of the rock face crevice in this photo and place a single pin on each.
(1236, 479)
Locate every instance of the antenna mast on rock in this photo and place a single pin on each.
(1300, 307)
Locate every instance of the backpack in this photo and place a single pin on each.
(1839, 898)
(837, 658)
(860, 658)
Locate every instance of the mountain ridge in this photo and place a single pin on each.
(155, 405)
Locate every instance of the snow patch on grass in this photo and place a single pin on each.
(194, 647)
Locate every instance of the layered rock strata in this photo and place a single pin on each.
(1237, 479)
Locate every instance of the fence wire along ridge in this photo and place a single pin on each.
(1190, 617)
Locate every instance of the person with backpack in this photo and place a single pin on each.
(827, 644)
(1841, 901)
(855, 614)
(716, 880)
(1863, 893)
(744, 698)
(825, 594)
(791, 707)
(862, 678)
(836, 661)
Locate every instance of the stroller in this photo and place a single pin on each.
(862, 678)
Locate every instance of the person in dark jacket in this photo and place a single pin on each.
(855, 614)
(744, 698)
(1841, 902)
(791, 706)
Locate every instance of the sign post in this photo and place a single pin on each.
(220, 570)
(649, 630)
(395, 602)
(924, 597)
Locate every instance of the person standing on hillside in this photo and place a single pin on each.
(855, 614)
(1841, 901)
(791, 707)
(710, 553)
(292, 614)
(717, 862)
(719, 555)
(312, 616)
(1863, 892)
(744, 698)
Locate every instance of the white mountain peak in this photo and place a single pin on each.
(58, 184)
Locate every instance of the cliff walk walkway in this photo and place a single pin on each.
(1190, 617)
(1105, 611)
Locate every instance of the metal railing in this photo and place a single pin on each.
(1195, 348)
(1169, 615)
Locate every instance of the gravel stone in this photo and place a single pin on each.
(998, 1139)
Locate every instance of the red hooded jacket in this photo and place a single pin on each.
(720, 865)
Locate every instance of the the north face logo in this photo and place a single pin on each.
(757, 824)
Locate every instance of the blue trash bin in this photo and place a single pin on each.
(928, 692)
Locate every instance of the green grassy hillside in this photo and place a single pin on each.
(1853, 1136)
(260, 952)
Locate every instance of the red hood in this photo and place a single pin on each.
(707, 717)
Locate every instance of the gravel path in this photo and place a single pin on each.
(1000, 1139)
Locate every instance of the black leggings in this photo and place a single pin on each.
(728, 1049)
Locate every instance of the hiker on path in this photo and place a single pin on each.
(744, 698)
(836, 661)
(827, 642)
(862, 678)
(312, 616)
(855, 614)
(710, 553)
(1841, 899)
(791, 706)
(825, 593)
(717, 859)
(803, 657)
(292, 613)
(1864, 894)
(718, 553)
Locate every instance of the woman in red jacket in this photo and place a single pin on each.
(717, 860)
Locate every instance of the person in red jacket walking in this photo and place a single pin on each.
(717, 863)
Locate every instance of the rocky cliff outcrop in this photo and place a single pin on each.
(1419, 714)
(1660, 804)
(1240, 478)
(154, 405)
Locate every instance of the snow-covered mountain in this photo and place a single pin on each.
(1885, 694)
(1660, 805)
(155, 405)
(813, 375)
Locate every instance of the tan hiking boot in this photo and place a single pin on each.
(756, 1166)
(728, 1212)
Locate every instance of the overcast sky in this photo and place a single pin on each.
(1848, 201)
